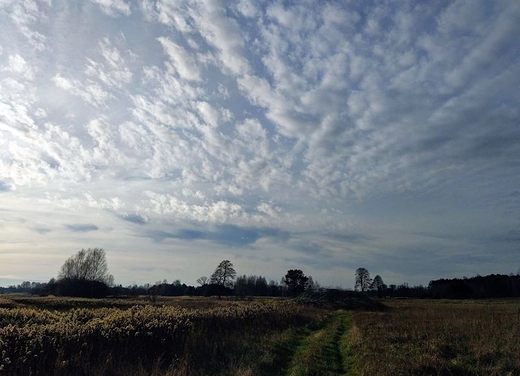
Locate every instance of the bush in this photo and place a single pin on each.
(78, 288)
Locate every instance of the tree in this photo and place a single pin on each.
(224, 274)
(378, 285)
(203, 281)
(312, 285)
(363, 280)
(87, 265)
(296, 281)
(251, 285)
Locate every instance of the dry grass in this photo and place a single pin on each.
(64, 303)
(425, 337)
(104, 337)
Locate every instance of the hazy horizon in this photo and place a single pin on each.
(321, 136)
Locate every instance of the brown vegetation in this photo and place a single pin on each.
(144, 339)
(202, 336)
(425, 337)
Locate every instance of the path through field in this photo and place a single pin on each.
(324, 351)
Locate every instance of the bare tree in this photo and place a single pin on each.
(203, 281)
(224, 274)
(89, 265)
(313, 285)
(378, 285)
(363, 280)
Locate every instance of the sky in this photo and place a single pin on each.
(315, 135)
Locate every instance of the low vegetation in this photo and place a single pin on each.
(164, 339)
(438, 337)
(334, 333)
(324, 352)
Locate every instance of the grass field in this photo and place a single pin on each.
(438, 337)
(205, 336)
(175, 336)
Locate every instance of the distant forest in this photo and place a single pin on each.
(479, 287)
(86, 274)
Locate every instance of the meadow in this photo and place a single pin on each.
(174, 336)
(438, 337)
(264, 336)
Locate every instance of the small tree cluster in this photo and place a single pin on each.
(365, 283)
(251, 285)
(87, 265)
(85, 274)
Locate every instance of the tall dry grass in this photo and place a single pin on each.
(229, 338)
(424, 337)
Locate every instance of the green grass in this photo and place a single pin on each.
(347, 352)
(325, 351)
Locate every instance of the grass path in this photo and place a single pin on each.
(325, 351)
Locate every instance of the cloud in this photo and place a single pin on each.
(134, 218)
(18, 65)
(43, 230)
(354, 238)
(223, 33)
(182, 61)
(353, 129)
(90, 91)
(82, 227)
(247, 8)
(114, 8)
(223, 234)
(25, 16)
(112, 69)
(4, 187)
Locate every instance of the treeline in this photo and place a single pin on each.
(85, 274)
(479, 287)
(491, 286)
(244, 286)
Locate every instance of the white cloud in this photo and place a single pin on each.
(63, 83)
(17, 64)
(114, 7)
(40, 113)
(248, 8)
(25, 15)
(90, 91)
(223, 33)
(113, 70)
(316, 119)
(167, 12)
(183, 62)
(213, 212)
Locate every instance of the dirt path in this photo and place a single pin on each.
(325, 351)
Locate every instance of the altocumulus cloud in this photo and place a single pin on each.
(281, 134)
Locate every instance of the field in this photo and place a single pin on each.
(438, 337)
(183, 336)
(206, 336)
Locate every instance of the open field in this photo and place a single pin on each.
(177, 336)
(438, 337)
(206, 336)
